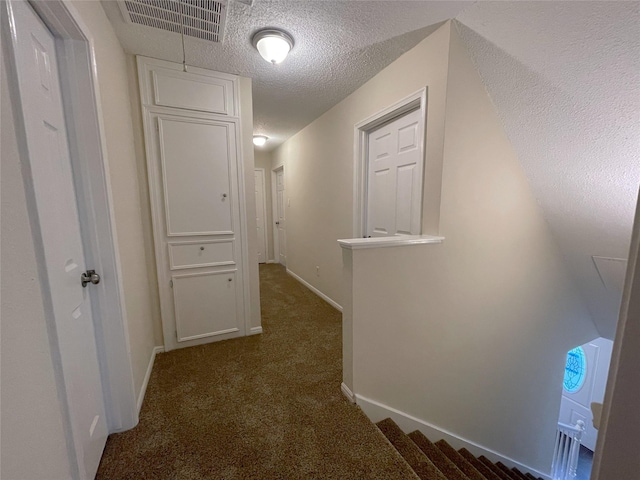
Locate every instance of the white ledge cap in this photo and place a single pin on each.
(382, 242)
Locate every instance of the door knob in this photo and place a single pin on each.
(277, 223)
(90, 276)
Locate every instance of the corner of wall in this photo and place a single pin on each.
(246, 109)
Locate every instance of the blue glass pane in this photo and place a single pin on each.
(575, 371)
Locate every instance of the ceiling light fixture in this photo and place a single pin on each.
(274, 45)
(259, 140)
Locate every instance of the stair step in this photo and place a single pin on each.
(530, 477)
(507, 470)
(520, 475)
(468, 469)
(439, 459)
(481, 467)
(494, 468)
(416, 459)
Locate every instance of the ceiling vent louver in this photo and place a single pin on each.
(204, 19)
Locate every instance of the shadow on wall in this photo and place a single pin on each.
(588, 204)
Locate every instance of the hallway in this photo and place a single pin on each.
(262, 407)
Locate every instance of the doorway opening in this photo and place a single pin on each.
(585, 379)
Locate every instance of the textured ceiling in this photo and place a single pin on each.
(565, 79)
(338, 46)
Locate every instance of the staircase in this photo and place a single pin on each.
(440, 461)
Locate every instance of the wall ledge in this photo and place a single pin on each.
(382, 242)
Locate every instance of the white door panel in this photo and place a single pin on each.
(394, 187)
(195, 173)
(57, 210)
(206, 304)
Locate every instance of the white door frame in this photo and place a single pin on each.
(361, 150)
(274, 207)
(83, 114)
(264, 213)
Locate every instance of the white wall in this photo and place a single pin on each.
(319, 163)
(246, 114)
(618, 440)
(263, 160)
(31, 424)
(471, 335)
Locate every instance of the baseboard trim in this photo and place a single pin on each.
(377, 411)
(271, 261)
(147, 375)
(255, 330)
(347, 393)
(327, 299)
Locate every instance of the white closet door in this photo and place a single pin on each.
(394, 187)
(194, 162)
(197, 205)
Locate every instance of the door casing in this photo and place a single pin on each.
(361, 153)
(83, 116)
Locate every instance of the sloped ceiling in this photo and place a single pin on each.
(339, 45)
(564, 77)
(565, 80)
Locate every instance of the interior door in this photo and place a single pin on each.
(394, 185)
(261, 221)
(195, 178)
(57, 210)
(280, 217)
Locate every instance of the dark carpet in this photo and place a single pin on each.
(262, 407)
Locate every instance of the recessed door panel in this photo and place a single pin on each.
(382, 211)
(405, 186)
(195, 160)
(205, 304)
(192, 92)
(200, 254)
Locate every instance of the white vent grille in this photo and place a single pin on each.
(204, 19)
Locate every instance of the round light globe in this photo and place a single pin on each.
(273, 45)
(259, 140)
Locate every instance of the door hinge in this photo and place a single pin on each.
(171, 283)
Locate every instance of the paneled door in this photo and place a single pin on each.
(279, 215)
(194, 177)
(261, 215)
(53, 184)
(394, 186)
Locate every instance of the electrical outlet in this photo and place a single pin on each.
(317, 271)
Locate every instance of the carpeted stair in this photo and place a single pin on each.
(440, 461)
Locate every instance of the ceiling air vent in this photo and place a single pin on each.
(204, 19)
